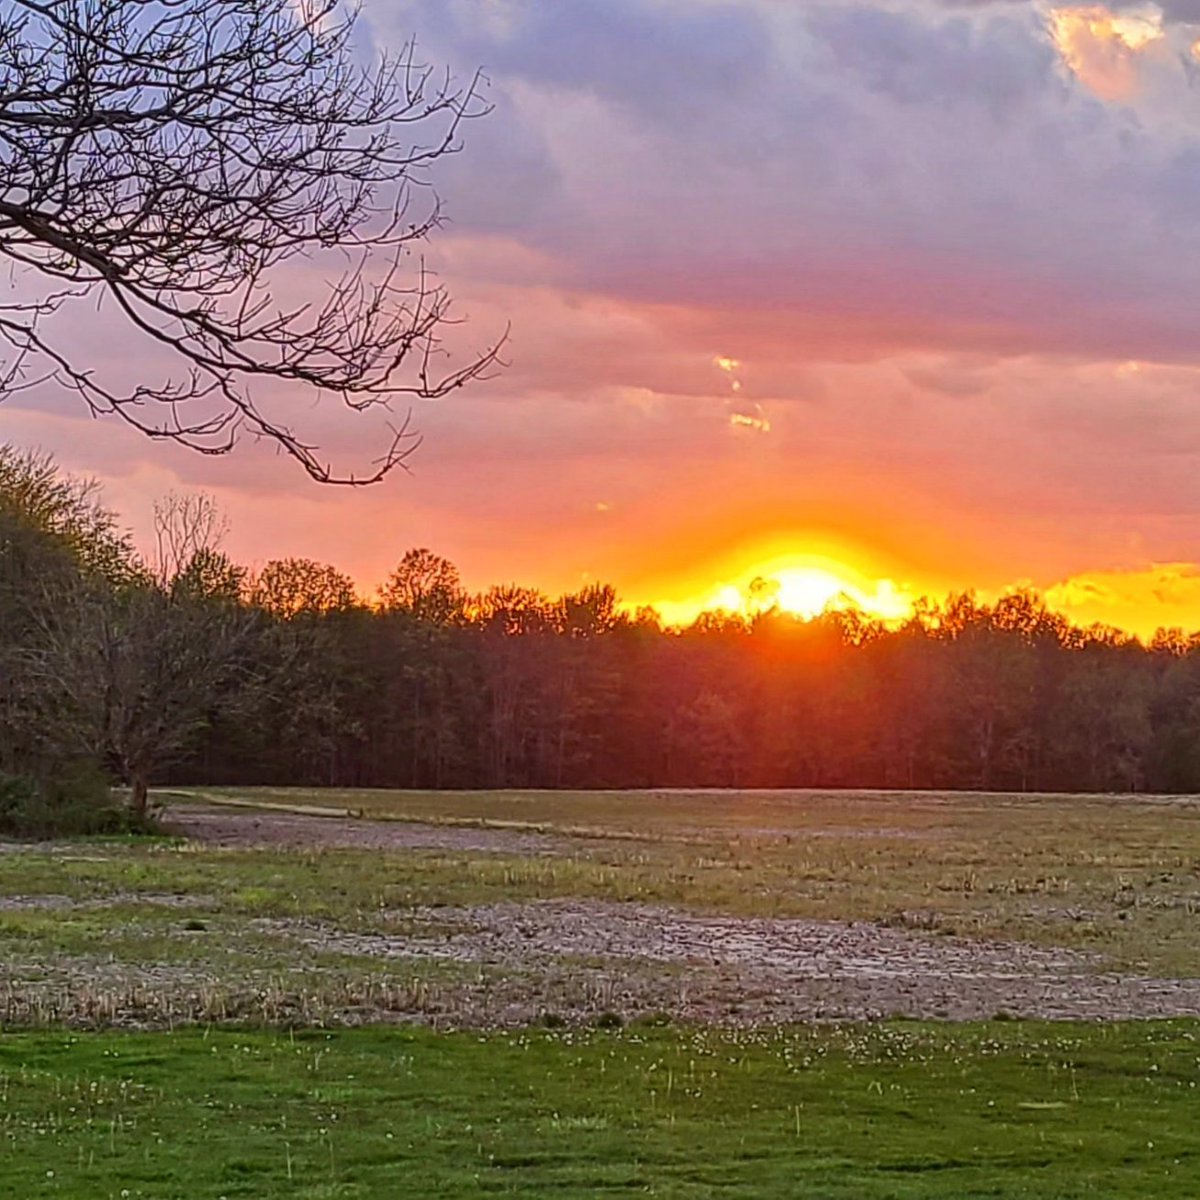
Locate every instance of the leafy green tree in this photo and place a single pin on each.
(55, 538)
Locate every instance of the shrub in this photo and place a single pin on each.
(72, 803)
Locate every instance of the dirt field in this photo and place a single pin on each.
(861, 908)
(722, 968)
(748, 971)
(247, 829)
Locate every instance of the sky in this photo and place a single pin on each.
(890, 297)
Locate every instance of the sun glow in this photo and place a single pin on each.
(1132, 30)
(802, 585)
(809, 591)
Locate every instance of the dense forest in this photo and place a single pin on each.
(184, 667)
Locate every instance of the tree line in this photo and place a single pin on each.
(184, 667)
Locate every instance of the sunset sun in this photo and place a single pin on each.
(808, 591)
(802, 583)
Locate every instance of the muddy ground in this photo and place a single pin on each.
(635, 958)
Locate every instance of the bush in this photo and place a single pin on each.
(74, 803)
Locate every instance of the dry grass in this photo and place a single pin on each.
(184, 929)
(1120, 876)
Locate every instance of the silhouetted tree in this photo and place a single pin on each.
(294, 587)
(288, 679)
(425, 586)
(136, 671)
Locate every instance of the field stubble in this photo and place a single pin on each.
(497, 908)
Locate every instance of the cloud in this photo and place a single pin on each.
(909, 175)
(654, 59)
(1185, 11)
(920, 242)
(1105, 48)
(990, 65)
(750, 417)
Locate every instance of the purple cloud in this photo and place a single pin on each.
(959, 285)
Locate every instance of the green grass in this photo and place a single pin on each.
(891, 1110)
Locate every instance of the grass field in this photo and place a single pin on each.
(890, 1110)
(1120, 877)
(175, 1009)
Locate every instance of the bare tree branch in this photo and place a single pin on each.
(185, 525)
(172, 157)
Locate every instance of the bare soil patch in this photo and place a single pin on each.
(742, 970)
(55, 903)
(215, 825)
(578, 960)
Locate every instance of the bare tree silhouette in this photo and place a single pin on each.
(168, 157)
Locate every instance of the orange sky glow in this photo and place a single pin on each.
(863, 301)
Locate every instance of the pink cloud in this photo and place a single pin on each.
(959, 287)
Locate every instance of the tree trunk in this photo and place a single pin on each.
(139, 790)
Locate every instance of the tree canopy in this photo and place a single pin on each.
(202, 672)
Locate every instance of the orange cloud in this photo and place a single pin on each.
(754, 420)
(1103, 48)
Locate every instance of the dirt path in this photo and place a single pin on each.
(249, 828)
